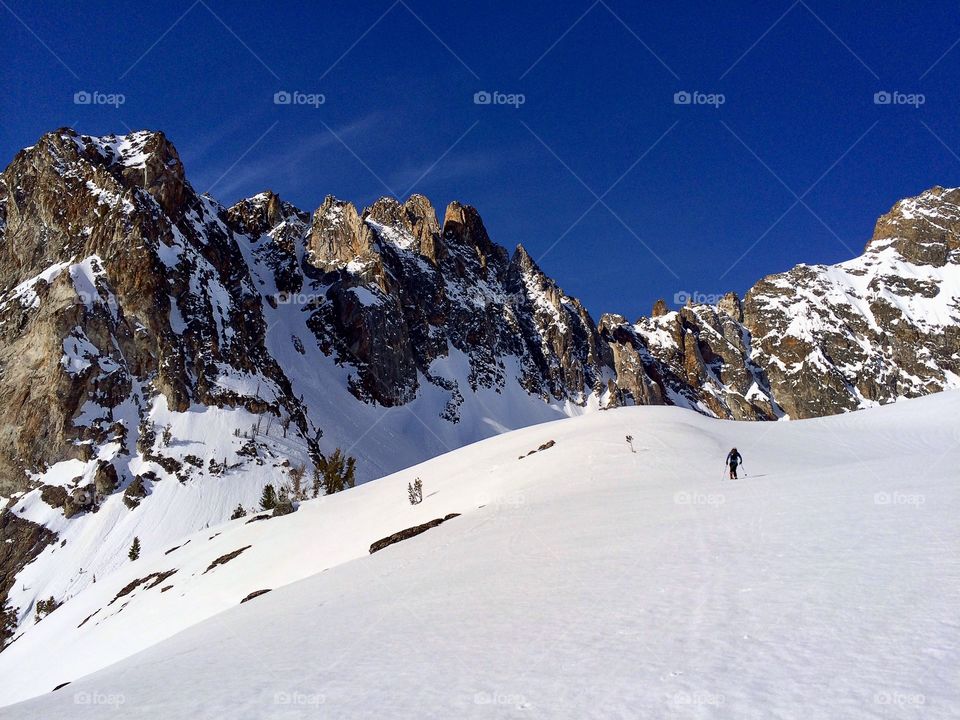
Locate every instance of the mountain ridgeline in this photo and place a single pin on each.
(152, 337)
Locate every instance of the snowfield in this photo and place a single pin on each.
(582, 581)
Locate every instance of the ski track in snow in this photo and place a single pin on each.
(583, 581)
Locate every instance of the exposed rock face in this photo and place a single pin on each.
(563, 345)
(924, 230)
(698, 356)
(20, 543)
(883, 326)
(402, 290)
(121, 284)
(731, 305)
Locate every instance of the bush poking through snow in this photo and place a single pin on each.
(134, 549)
(338, 472)
(167, 435)
(297, 473)
(415, 492)
(45, 607)
(630, 443)
(268, 500)
(238, 513)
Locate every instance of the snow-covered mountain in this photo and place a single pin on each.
(818, 339)
(163, 358)
(592, 578)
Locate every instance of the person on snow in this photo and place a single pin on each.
(733, 459)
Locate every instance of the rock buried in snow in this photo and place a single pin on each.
(255, 593)
(409, 533)
(153, 579)
(224, 559)
(283, 507)
(134, 493)
(175, 547)
(546, 446)
(105, 479)
(54, 495)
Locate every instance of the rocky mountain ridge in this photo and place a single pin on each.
(157, 345)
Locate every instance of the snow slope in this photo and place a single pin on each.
(581, 581)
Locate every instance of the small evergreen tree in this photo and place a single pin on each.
(134, 549)
(317, 480)
(338, 472)
(238, 513)
(415, 492)
(268, 501)
(167, 435)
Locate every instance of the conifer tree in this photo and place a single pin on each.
(134, 549)
(268, 501)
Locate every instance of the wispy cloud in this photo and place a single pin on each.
(287, 163)
(453, 167)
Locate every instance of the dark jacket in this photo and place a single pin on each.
(733, 458)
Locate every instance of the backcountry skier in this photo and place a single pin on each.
(733, 459)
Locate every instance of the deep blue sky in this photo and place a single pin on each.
(798, 81)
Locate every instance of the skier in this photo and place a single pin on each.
(733, 459)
